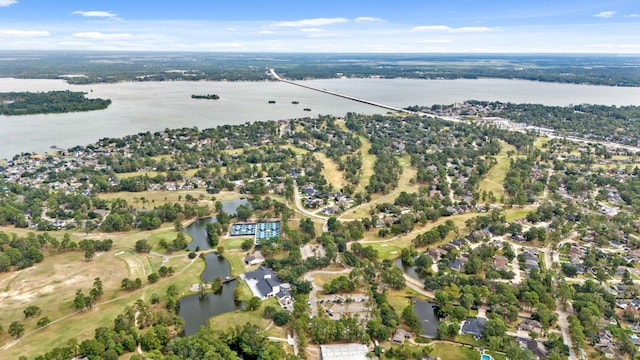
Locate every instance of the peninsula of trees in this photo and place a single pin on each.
(24, 103)
(207, 97)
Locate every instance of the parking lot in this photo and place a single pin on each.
(335, 306)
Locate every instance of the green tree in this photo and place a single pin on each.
(31, 311)
(16, 329)
(44, 321)
(254, 303)
(96, 291)
(412, 320)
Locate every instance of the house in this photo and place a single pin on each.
(537, 348)
(456, 265)
(473, 326)
(263, 282)
(254, 259)
(530, 325)
(343, 352)
(500, 263)
(400, 336)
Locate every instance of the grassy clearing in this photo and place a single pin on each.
(540, 142)
(233, 243)
(239, 317)
(454, 352)
(321, 279)
(330, 171)
(404, 184)
(515, 214)
(187, 173)
(51, 285)
(494, 180)
(236, 264)
(390, 248)
(153, 198)
(368, 160)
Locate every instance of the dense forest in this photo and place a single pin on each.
(23, 103)
(597, 70)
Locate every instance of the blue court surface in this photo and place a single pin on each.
(261, 231)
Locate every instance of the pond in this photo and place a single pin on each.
(427, 312)
(409, 270)
(196, 310)
(198, 229)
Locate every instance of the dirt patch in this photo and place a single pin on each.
(308, 251)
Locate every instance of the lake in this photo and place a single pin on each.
(198, 228)
(154, 106)
(196, 310)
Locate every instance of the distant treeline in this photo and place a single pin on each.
(23, 103)
(208, 97)
(107, 67)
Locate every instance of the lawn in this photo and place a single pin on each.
(236, 264)
(158, 197)
(368, 160)
(239, 317)
(454, 352)
(330, 171)
(52, 284)
(494, 180)
(233, 243)
(404, 184)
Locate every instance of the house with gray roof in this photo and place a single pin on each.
(264, 283)
(473, 326)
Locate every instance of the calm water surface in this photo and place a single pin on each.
(196, 310)
(198, 228)
(154, 106)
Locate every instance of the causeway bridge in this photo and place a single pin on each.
(364, 101)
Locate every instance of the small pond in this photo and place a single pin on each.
(409, 270)
(196, 310)
(198, 229)
(427, 312)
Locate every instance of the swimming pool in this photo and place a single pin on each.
(485, 357)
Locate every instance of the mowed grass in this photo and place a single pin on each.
(330, 171)
(187, 173)
(51, 285)
(454, 352)
(154, 198)
(404, 184)
(368, 160)
(494, 180)
(239, 317)
(390, 248)
(233, 243)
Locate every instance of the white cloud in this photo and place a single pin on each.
(431, 28)
(8, 2)
(632, 15)
(368, 19)
(435, 41)
(220, 45)
(105, 14)
(23, 33)
(100, 36)
(266, 32)
(310, 22)
(605, 14)
(444, 28)
(311, 30)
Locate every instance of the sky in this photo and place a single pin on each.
(374, 26)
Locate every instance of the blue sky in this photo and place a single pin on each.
(559, 26)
